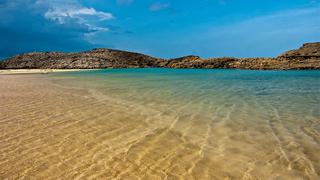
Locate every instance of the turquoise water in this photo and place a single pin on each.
(297, 92)
(265, 121)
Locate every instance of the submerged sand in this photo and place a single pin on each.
(58, 132)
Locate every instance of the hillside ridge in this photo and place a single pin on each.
(305, 57)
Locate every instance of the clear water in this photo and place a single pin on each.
(294, 92)
(161, 124)
(264, 121)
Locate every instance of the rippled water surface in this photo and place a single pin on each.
(161, 124)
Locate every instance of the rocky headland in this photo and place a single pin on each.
(306, 57)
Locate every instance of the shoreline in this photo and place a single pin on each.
(37, 71)
(47, 71)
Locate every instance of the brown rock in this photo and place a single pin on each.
(308, 50)
(96, 58)
(306, 57)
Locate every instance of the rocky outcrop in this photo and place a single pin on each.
(247, 63)
(308, 50)
(197, 62)
(96, 58)
(306, 57)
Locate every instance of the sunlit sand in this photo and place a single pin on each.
(67, 127)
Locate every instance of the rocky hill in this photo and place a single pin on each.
(96, 58)
(308, 50)
(306, 57)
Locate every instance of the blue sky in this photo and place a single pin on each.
(162, 28)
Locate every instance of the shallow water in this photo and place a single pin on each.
(161, 123)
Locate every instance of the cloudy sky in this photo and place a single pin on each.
(162, 28)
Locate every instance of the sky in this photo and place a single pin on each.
(161, 28)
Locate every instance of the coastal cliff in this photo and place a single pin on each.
(306, 57)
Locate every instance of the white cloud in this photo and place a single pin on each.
(79, 13)
(157, 6)
(93, 30)
(72, 13)
(64, 11)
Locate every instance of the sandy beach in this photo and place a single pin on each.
(156, 124)
(36, 71)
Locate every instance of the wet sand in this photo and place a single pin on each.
(51, 131)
